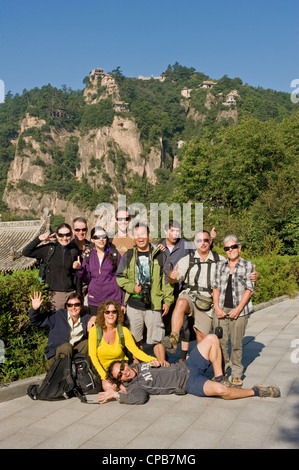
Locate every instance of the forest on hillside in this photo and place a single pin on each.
(245, 172)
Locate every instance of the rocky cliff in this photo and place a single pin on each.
(107, 155)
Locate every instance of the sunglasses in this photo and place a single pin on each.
(199, 240)
(120, 219)
(232, 247)
(121, 369)
(62, 235)
(80, 229)
(98, 237)
(110, 311)
(77, 304)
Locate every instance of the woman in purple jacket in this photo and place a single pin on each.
(98, 270)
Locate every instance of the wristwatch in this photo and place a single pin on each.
(118, 396)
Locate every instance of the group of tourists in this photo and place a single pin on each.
(135, 293)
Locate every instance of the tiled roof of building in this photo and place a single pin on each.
(14, 236)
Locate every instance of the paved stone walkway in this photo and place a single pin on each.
(169, 423)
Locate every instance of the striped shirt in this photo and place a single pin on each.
(240, 283)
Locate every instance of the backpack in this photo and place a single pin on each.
(58, 383)
(120, 335)
(114, 258)
(197, 261)
(67, 378)
(87, 381)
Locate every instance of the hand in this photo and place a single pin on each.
(110, 394)
(165, 310)
(234, 313)
(77, 263)
(161, 247)
(164, 363)
(47, 237)
(173, 275)
(137, 289)
(124, 309)
(219, 312)
(85, 252)
(155, 363)
(36, 300)
(213, 233)
(254, 275)
(91, 322)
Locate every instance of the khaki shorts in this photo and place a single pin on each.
(202, 321)
(153, 321)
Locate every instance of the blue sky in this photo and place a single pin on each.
(59, 42)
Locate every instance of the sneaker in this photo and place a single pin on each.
(170, 343)
(271, 391)
(237, 381)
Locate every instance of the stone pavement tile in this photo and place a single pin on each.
(285, 431)
(70, 437)
(21, 440)
(53, 423)
(131, 421)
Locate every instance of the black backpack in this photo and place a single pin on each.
(67, 378)
(87, 381)
(58, 383)
(192, 262)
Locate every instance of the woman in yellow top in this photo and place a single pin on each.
(110, 349)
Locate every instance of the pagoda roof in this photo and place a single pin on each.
(14, 236)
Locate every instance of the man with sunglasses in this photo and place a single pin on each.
(123, 239)
(147, 295)
(137, 382)
(196, 271)
(79, 232)
(68, 330)
(59, 260)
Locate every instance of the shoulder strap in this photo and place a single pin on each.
(216, 256)
(120, 335)
(129, 255)
(99, 335)
(193, 261)
(114, 258)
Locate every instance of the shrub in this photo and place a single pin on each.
(278, 275)
(23, 343)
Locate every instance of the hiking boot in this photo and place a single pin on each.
(237, 381)
(225, 381)
(170, 343)
(271, 391)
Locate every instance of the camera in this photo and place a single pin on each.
(145, 293)
(219, 332)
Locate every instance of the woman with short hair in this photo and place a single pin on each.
(232, 291)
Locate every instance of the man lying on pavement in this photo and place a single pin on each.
(134, 384)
